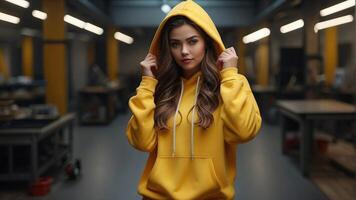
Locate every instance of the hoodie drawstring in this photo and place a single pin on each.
(174, 120)
(192, 125)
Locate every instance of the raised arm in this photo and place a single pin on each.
(240, 114)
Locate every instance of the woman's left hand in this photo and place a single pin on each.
(227, 58)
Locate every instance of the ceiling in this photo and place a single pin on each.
(145, 13)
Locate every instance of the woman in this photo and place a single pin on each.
(191, 110)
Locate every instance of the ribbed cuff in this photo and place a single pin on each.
(148, 83)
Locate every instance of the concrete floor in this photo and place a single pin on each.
(112, 168)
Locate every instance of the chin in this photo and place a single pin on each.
(189, 67)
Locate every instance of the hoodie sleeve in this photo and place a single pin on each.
(140, 130)
(240, 113)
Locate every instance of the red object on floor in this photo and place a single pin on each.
(41, 187)
(321, 145)
(291, 143)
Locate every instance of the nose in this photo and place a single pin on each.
(185, 50)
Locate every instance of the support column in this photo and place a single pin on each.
(311, 41)
(55, 54)
(330, 55)
(4, 69)
(27, 56)
(262, 62)
(112, 55)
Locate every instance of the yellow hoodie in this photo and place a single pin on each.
(189, 162)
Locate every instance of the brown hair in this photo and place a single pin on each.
(169, 82)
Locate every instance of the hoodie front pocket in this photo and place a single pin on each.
(183, 177)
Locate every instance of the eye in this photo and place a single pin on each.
(193, 42)
(174, 44)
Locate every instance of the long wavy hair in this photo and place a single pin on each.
(169, 83)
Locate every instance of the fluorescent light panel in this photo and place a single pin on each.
(123, 38)
(292, 26)
(74, 21)
(9, 18)
(84, 25)
(92, 28)
(257, 35)
(39, 14)
(21, 3)
(338, 7)
(333, 22)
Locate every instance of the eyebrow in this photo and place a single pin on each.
(185, 39)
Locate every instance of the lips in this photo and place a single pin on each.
(186, 61)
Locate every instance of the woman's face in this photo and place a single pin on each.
(187, 47)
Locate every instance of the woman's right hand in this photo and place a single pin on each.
(147, 64)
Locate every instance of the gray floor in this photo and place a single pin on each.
(111, 168)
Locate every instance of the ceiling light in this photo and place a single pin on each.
(39, 14)
(9, 18)
(338, 7)
(333, 22)
(257, 35)
(123, 38)
(21, 3)
(74, 21)
(92, 28)
(84, 25)
(292, 26)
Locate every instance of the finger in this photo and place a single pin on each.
(150, 55)
(151, 59)
(224, 53)
(233, 51)
(230, 50)
(151, 64)
(224, 56)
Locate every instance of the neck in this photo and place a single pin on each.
(190, 73)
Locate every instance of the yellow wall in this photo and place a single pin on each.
(27, 56)
(112, 55)
(330, 55)
(262, 62)
(4, 69)
(54, 54)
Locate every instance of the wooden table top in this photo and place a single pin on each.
(319, 106)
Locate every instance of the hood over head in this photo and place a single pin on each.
(198, 15)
